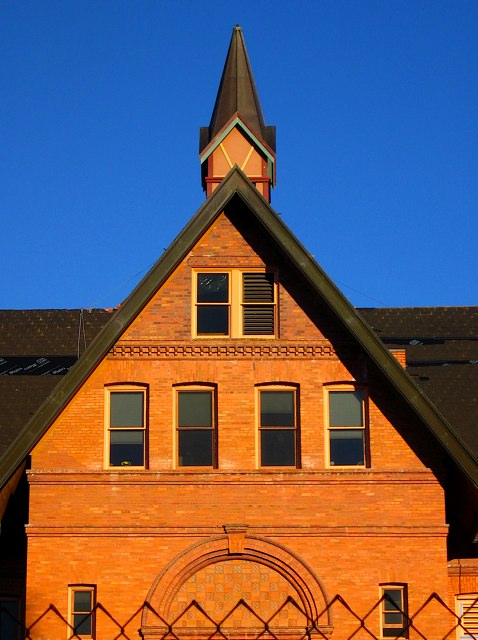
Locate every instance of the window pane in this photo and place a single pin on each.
(213, 287)
(126, 409)
(127, 448)
(195, 409)
(395, 595)
(82, 624)
(213, 320)
(277, 409)
(345, 409)
(393, 632)
(278, 448)
(195, 448)
(82, 601)
(393, 618)
(347, 447)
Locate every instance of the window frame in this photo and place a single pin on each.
(199, 387)
(330, 388)
(131, 387)
(395, 629)
(80, 588)
(235, 304)
(277, 387)
(471, 600)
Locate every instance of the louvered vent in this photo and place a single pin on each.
(469, 617)
(258, 316)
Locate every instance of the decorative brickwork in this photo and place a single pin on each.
(264, 575)
(215, 350)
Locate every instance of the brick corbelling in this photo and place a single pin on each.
(241, 351)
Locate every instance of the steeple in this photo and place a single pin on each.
(237, 133)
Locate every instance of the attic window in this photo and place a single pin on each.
(213, 304)
(235, 303)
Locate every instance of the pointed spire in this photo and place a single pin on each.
(237, 133)
(237, 95)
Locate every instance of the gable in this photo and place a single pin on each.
(232, 243)
(236, 188)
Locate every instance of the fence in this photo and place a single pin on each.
(433, 620)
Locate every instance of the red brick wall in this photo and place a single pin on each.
(119, 529)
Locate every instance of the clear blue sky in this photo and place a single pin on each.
(376, 108)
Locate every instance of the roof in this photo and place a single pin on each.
(37, 348)
(236, 186)
(237, 94)
(441, 345)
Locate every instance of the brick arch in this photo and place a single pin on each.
(234, 562)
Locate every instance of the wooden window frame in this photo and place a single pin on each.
(195, 388)
(394, 629)
(130, 387)
(76, 588)
(347, 387)
(277, 387)
(466, 607)
(235, 304)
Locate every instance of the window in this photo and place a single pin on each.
(394, 611)
(467, 611)
(277, 427)
(235, 303)
(213, 306)
(126, 426)
(82, 611)
(346, 427)
(196, 432)
(9, 618)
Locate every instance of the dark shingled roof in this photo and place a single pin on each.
(54, 332)
(38, 334)
(441, 344)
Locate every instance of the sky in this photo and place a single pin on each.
(375, 104)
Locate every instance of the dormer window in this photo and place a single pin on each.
(235, 303)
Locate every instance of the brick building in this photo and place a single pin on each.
(237, 444)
